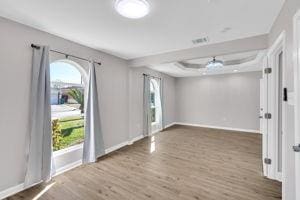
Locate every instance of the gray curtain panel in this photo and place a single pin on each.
(146, 109)
(93, 146)
(160, 82)
(39, 150)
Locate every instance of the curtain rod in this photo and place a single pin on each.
(67, 55)
(151, 76)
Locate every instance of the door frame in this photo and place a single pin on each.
(273, 102)
(296, 59)
(264, 106)
(261, 107)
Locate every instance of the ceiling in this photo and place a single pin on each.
(238, 62)
(171, 25)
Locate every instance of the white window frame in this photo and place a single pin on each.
(74, 149)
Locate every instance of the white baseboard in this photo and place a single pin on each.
(123, 144)
(219, 127)
(155, 132)
(130, 142)
(18, 188)
(116, 147)
(15, 189)
(160, 130)
(169, 125)
(12, 190)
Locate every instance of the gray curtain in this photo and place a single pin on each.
(161, 103)
(39, 150)
(93, 146)
(146, 109)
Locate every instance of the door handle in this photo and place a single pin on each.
(296, 148)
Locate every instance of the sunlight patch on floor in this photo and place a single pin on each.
(43, 191)
(152, 147)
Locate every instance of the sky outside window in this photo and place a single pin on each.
(64, 72)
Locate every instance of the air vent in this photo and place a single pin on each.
(200, 40)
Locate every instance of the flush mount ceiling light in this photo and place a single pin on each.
(214, 64)
(133, 9)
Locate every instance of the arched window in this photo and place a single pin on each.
(67, 103)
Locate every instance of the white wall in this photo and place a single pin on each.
(284, 22)
(230, 100)
(136, 99)
(15, 77)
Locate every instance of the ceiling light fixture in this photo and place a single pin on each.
(235, 70)
(214, 64)
(133, 9)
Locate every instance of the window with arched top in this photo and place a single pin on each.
(67, 103)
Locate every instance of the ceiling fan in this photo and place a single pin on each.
(215, 64)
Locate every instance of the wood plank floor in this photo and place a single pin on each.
(180, 163)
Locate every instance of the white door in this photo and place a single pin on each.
(297, 102)
(261, 108)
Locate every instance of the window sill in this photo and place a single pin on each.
(67, 150)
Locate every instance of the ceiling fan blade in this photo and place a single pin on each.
(240, 61)
(232, 62)
(191, 66)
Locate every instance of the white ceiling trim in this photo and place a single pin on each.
(176, 70)
(237, 46)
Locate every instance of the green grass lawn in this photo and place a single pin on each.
(72, 129)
